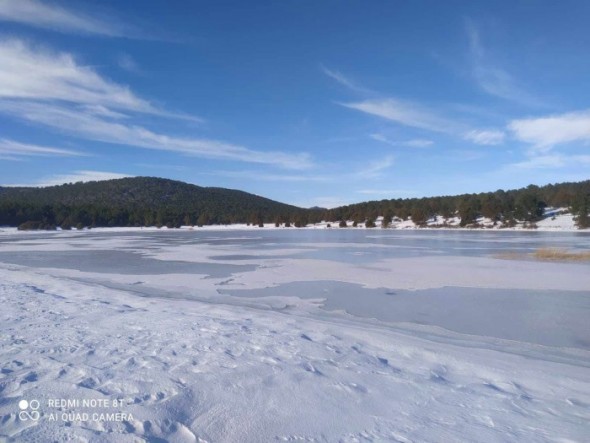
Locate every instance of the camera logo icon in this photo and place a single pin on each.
(29, 410)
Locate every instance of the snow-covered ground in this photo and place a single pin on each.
(180, 356)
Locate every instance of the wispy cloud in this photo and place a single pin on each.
(47, 15)
(489, 76)
(540, 162)
(415, 115)
(381, 138)
(52, 89)
(545, 132)
(74, 177)
(405, 113)
(13, 150)
(29, 73)
(550, 161)
(376, 168)
(485, 137)
(94, 127)
(413, 143)
(128, 63)
(344, 80)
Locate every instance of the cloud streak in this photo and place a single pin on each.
(551, 161)
(29, 73)
(94, 127)
(376, 168)
(344, 81)
(127, 63)
(416, 116)
(490, 77)
(414, 143)
(52, 89)
(405, 113)
(485, 137)
(53, 17)
(13, 150)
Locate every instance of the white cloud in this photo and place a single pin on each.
(405, 113)
(13, 150)
(52, 89)
(74, 177)
(94, 127)
(416, 116)
(381, 138)
(485, 137)
(51, 16)
(551, 162)
(545, 132)
(10, 158)
(102, 111)
(414, 143)
(29, 73)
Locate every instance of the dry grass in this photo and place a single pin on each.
(546, 254)
(554, 254)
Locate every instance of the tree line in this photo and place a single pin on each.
(147, 201)
(139, 201)
(525, 204)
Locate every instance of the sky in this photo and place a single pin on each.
(308, 102)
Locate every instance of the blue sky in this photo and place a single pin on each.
(307, 102)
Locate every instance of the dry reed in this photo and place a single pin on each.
(555, 254)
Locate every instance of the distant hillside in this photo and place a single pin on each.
(138, 201)
(147, 201)
(526, 204)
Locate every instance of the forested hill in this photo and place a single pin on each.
(147, 201)
(525, 204)
(137, 201)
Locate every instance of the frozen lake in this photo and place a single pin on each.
(547, 316)
(242, 319)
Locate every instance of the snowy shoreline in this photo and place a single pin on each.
(323, 225)
(560, 222)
